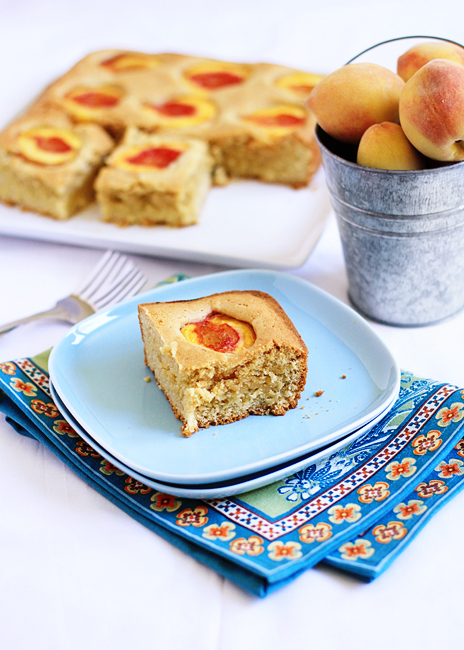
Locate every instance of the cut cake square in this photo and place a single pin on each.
(48, 164)
(152, 179)
(223, 357)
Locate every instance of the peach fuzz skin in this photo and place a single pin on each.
(416, 57)
(384, 146)
(432, 110)
(350, 100)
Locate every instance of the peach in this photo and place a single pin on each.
(353, 98)
(384, 146)
(47, 145)
(432, 110)
(419, 55)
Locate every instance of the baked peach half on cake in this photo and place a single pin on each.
(221, 358)
(87, 103)
(48, 145)
(181, 112)
(220, 332)
(216, 75)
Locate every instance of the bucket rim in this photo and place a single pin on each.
(403, 38)
(389, 172)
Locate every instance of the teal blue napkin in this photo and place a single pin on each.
(367, 555)
(356, 510)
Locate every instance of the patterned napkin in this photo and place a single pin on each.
(356, 510)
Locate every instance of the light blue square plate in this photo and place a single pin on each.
(231, 487)
(98, 372)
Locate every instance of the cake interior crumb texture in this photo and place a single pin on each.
(207, 387)
(36, 195)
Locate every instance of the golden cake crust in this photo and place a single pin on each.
(271, 324)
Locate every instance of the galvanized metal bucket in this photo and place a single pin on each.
(402, 231)
(402, 235)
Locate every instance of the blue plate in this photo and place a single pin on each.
(98, 371)
(226, 488)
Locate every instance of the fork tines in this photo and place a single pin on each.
(115, 277)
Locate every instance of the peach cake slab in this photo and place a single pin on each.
(251, 117)
(223, 357)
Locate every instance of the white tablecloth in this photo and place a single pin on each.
(76, 572)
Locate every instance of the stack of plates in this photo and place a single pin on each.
(98, 381)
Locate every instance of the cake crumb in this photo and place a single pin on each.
(319, 393)
(147, 379)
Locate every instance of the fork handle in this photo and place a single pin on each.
(55, 312)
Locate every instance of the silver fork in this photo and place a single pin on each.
(113, 279)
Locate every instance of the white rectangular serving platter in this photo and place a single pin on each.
(246, 224)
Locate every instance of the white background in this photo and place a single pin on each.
(75, 571)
